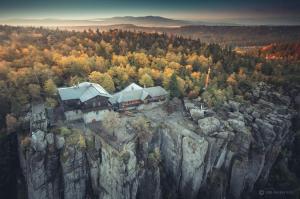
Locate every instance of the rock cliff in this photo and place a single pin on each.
(190, 152)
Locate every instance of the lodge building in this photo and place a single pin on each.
(85, 101)
(89, 101)
(134, 95)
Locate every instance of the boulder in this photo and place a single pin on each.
(209, 125)
(237, 125)
(234, 106)
(189, 105)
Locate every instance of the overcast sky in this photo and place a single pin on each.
(242, 11)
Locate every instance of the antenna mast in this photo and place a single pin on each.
(207, 78)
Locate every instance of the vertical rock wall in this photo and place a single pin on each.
(221, 154)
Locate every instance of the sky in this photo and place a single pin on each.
(239, 11)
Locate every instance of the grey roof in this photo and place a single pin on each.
(138, 93)
(156, 91)
(83, 92)
(132, 86)
(126, 96)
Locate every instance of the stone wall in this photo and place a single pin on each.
(94, 116)
(73, 115)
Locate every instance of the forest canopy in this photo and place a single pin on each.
(35, 61)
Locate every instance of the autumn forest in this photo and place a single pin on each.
(35, 61)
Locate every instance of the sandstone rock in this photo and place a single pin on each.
(209, 125)
(235, 152)
(256, 114)
(188, 105)
(223, 134)
(75, 174)
(60, 142)
(197, 114)
(50, 138)
(192, 166)
(281, 99)
(237, 125)
(38, 141)
(267, 131)
(234, 105)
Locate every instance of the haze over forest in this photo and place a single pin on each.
(256, 12)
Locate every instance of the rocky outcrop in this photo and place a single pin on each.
(221, 153)
(40, 165)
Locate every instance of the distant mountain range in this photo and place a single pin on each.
(145, 21)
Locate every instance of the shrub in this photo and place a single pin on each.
(154, 158)
(81, 142)
(64, 131)
(125, 156)
(141, 127)
(111, 122)
(50, 102)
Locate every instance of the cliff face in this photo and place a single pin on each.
(190, 153)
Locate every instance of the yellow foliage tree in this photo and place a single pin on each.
(50, 87)
(231, 80)
(104, 79)
(146, 80)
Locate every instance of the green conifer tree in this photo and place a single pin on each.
(173, 86)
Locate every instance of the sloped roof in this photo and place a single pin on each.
(83, 92)
(126, 96)
(137, 93)
(132, 86)
(156, 91)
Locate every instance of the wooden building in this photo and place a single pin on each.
(134, 95)
(87, 101)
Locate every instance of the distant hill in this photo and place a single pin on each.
(145, 21)
(220, 33)
(47, 22)
(148, 21)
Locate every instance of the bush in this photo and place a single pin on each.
(51, 102)
(81, 142)
(64, 131)
(141, 126)
(154, 158)
(125, 156)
